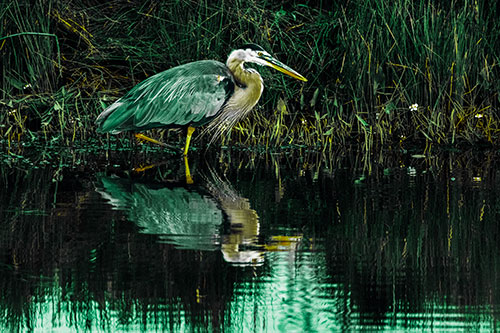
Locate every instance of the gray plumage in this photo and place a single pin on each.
(189, 94)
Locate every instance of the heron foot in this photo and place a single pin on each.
(141, 136)
(144, 168)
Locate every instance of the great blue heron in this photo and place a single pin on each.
(194, 94)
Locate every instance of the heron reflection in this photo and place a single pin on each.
(190, 217)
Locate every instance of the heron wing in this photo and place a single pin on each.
(189, 94)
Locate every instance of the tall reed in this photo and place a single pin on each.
(380, 73)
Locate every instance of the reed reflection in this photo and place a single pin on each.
(207, 216)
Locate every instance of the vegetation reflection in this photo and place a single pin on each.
(413, 244)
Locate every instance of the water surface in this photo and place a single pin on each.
(258, 242)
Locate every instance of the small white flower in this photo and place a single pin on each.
(479, 115)
(413, 107)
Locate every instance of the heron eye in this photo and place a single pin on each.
(259, 54)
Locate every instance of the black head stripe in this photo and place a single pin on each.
(251, 46)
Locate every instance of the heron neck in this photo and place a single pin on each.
(244, 77)
(247, 92)
(249, 88)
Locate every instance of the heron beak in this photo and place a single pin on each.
(278, 65)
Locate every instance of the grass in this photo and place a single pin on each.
(367, 63)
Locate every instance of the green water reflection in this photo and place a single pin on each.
(260, 244)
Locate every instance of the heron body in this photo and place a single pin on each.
(194, 94)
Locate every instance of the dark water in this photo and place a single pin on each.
(258, 243)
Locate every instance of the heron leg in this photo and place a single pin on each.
(189, 180)
(141, 136)
(188, 139)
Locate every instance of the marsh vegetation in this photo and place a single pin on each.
(380, 73)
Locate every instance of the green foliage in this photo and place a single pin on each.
(367, 63)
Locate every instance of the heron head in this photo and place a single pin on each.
(256, 54)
